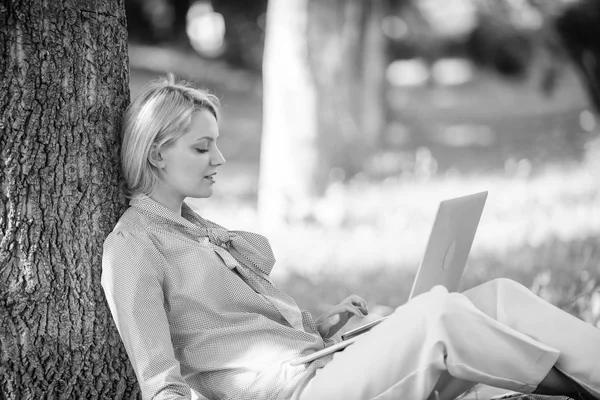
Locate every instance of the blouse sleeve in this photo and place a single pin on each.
(132, 285)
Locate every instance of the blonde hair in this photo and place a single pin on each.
(159, 115)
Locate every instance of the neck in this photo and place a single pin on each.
(171, 202)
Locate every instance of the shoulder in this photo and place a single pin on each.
(132, 221)
(129, 248)
(130, 235)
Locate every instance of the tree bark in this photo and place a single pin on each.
(65, 85)
(323, 73)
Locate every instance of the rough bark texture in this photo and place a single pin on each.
(323, 73)
(64, 86)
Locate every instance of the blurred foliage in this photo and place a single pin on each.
(508, 37)
(245, 23)
(161, 22)
(157, 21)
(579, 29)
(500, 46)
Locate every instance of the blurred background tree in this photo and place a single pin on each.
(323, 76)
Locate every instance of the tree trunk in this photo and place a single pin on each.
(323, 72)
(65, 85)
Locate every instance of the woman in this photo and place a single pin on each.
(199, 316)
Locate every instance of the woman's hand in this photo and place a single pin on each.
(337, 316)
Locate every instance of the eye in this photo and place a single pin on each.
(202, 151)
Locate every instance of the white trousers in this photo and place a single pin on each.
(498, 333)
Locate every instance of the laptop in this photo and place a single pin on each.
(443, 262)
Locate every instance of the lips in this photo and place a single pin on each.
(211, 177)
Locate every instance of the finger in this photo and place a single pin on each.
(363, 306)
(359, 302)
(354, 310)
(355, 300)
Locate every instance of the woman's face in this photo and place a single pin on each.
(188, 166)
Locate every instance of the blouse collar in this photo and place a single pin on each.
(188, 218)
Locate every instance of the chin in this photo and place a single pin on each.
(200, 191)
(203, 194)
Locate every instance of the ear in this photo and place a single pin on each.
(155, 157)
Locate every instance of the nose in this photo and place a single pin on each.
(217, 158)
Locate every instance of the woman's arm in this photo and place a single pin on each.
(133, 288)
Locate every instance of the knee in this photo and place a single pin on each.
(454, 304)
(441, 304)
(504, 285)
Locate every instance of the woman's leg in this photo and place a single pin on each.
(517, 307)
(404, 356)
